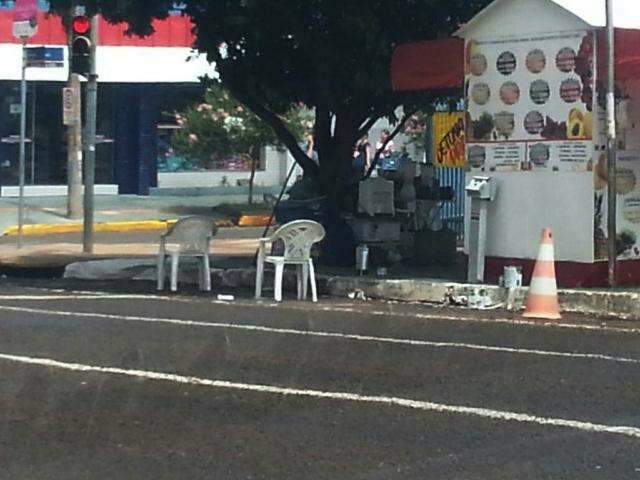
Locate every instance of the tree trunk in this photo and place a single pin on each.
(336, 157)
(335, 177)
(254, 163)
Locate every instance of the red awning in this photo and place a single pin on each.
(436, 65)
(627, 53)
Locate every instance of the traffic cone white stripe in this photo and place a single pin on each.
(546, 253)
(543, 286)
(542, 301)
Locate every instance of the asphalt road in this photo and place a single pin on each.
(126, 384)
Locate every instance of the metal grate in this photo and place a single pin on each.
(452, 213)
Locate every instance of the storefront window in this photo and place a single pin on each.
(46, 152)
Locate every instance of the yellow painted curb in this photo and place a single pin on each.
(121, 227)
(107, 227)
(253, 220)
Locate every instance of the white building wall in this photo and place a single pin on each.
(118, 65)
(527, 203)
(518, 18)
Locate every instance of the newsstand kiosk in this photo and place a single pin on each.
(534, 77)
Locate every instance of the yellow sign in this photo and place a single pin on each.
(448, 139)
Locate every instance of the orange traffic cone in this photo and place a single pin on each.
(542, 301)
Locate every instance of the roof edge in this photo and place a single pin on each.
(496, 3)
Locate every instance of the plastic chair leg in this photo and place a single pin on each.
(278, 282)
(312, 277)
(175, 258)
(160, 272)
(305, 281)
(299, 277)
(206, 274)
(259, 278)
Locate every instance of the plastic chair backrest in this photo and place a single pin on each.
(192, 234)
(298, 238)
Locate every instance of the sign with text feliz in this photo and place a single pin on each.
(449, 139)
(25, 18)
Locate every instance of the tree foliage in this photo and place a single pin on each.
(331, 55)
(221, 126)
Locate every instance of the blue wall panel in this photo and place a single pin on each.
(136, 142)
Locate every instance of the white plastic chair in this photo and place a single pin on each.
(298, 237)
(188, 237)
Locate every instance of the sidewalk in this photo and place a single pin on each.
(132, 256)
(233, 267)
(113, 213)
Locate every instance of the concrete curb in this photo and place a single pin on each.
(625, 305)
(621, 305)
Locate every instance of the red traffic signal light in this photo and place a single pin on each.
(81, 45)
(80, 25)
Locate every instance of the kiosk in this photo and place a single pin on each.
(533, 73)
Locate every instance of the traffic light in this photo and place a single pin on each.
(81, 45)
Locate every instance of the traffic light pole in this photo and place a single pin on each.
(74, 155)
(74, 135)
(23, 139)
(612, 228)
(90, 142)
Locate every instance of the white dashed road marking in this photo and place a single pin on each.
(338, 396)
(344, 336)
(441, 317)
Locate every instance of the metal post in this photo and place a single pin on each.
(74, 134)
(611, 149)
(23, 135)
(74, 153)
(34, 98)
(90, 142)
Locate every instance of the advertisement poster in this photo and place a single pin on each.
(449, 139)
(535, 94)
(628, 211)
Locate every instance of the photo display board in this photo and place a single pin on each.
(530, 103)
(628, 205)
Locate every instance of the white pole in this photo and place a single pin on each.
(34, 98)
(23, 135)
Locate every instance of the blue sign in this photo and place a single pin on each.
(43, 5)
(45, 57)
